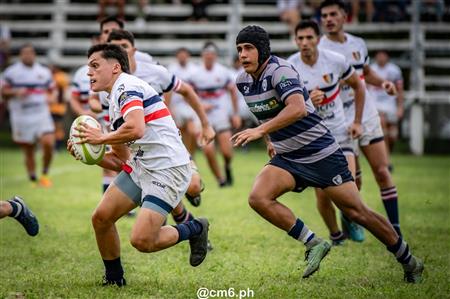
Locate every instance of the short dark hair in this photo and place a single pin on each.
(327, 3)
(182, 49)
(119, 34)
(26, 45)
(209, 45)
(111, 51)
(112, 19)
(308, 24)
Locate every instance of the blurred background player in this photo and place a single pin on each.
(59, 107)
(371, 142)
(214, 84)
(322, 71)
(28, 88)
(389, 107)
(17, 209)
(182, 113)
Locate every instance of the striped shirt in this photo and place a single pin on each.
(161, 146)
(307, 140)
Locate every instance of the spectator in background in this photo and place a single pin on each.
(389, 107)
(289, 11)
(389, 10)
(28, 88)
(5, 40)
(199, 11)
(118, 7)
(59, 107)
(140, 15)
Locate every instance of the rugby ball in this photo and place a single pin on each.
(87, 153)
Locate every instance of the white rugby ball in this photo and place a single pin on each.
(87, 153)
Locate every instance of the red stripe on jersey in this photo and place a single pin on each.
(361, 76)
(211, 94)
(106, 117)
(331, 98)
(134, 103)
(36, 91)
(157, 114)
(75, 93)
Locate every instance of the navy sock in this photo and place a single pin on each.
(184, 216)
(301, 232)
(188, 229)
(33, 177)
(16, 208)
(105, 186)
(390, 202)
(401, 251)
(113, 269)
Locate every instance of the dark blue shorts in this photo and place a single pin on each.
(330, 171)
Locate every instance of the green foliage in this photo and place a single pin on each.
(249, 253)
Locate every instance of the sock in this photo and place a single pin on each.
(33, 177)
(188, 229)
(337, 236)
(113, 269)
(301, 232)
(45, 171)
(358, 174)
(390, 202)
(16, 208)
(401, 251)
(106, 181)
(185, 216)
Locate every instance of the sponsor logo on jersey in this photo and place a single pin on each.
(356, 55)
(246, 89)
(328, 78)
(264, 84)
(264, 106)
(159, 184)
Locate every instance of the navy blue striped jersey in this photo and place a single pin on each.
(307, 140)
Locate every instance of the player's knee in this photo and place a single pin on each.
(358, 214)
(382, 174)
(195, 188)
(143, 244)
(256, 201)
(100, 220)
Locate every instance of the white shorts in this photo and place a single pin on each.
(348, 145)
(390, 116)
(372, 131)
(158, 190)
(30, 129)
(182, 113)
(219, 119)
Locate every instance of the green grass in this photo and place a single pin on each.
(63, 261)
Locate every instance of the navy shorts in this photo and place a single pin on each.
(330, 171)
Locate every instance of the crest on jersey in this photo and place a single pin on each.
(246, 89)
(356, 55)
(121, 88)
(328, 78)
(264, 85)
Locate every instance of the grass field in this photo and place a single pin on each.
(249, 254)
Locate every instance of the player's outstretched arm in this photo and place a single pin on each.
(372, 78)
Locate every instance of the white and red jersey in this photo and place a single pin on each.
(355, 51)
(81, 85)
(183, 73)
(38, 81)
(325, 75)
(389, 72)
(144, 57)
(161, 146)
(212, 86)
(158, 77)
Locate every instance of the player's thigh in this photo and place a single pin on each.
(345, 196)
(223, 138)
(376, 154)
(209, 149)
(271, 183)
(47, 139)
(114, 204)
(351, 163)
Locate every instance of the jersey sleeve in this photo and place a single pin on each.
(286, 81)
(129, 100)
(345, 68)
(397, 75)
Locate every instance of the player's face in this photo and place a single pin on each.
(127, 46)
(101, 72)
(248, 56)
(106, 30)
(183, 57)
(307, 41)
(209, 58)
(27, 56)
(381, 58)
(333, 18)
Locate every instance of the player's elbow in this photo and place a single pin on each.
(300, 112)
(138, 132)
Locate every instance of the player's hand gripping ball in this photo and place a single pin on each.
(87, 153)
